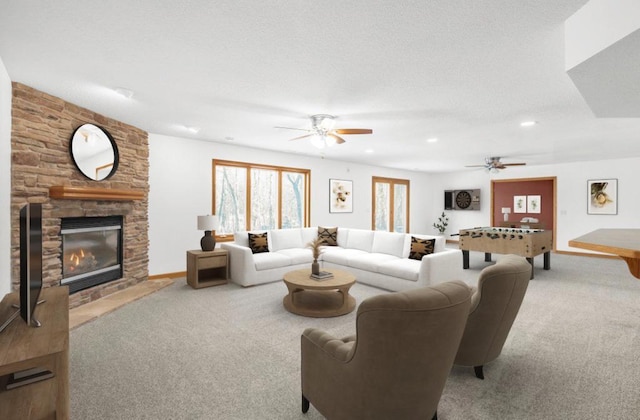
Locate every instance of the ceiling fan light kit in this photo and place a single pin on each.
(322, 134)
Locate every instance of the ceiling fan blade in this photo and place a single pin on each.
(291, 128)
(353, 131)
(475, 166)
(339, 139)
(514, 164)
(301, 137)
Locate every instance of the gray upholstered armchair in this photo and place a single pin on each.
(396, 365)
(494, 306)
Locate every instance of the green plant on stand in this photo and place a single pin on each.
(442, 223)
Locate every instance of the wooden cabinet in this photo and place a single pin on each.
(207, 268)
(47, 347)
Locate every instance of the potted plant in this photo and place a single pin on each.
(316, 249)
(442, 223)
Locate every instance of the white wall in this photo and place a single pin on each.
(572, 219)
(5, 180)
(181, 186)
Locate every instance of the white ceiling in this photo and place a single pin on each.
(466, 72)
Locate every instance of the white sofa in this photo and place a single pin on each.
(376, 258)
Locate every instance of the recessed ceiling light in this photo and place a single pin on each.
(191, 129)
(125, 93)
(432, 140)
(528, 123)
(369, 151)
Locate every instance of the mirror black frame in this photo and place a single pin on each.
(114, 148)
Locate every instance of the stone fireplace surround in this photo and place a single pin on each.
(42, 126)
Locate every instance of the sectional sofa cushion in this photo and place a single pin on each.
(298, 255)
(370, 261)
(341, 256)
(258, 242)
(308, 235)
(269, 260)
(360, 239)
(286, 239)
(421, 247)
(404, 268)
(329, 234)
(391, 243)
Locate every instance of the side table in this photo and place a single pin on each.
(207, 268)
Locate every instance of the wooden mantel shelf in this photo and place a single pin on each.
(85, 193)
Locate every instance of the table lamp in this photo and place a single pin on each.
(208, 223)
(505, 212)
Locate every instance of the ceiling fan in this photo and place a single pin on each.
(493, 164)
(322, 134)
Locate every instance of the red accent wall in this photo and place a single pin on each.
(503, 193)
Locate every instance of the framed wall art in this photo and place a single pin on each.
(340, 196)
(519, 203)
(533, 204)
(602, 196)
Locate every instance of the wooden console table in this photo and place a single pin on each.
(23, 347)
(622, 242)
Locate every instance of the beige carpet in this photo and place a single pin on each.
(228, 352)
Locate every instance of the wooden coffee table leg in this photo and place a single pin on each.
(348, 301)
(289, 298)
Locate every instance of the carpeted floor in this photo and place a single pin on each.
(228, 352)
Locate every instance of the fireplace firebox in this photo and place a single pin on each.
(91, 251)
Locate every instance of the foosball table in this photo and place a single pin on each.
(524, 242)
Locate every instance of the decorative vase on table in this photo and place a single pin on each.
(316, 250)
(315, 267)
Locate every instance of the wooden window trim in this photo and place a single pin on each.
(248, 166)
(392, 183)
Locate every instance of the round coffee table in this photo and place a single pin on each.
(319, 298)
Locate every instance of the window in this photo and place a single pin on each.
(253, 197)
(390, 204)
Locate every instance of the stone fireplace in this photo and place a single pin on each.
(42, 171)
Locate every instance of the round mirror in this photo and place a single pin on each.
(94, 152)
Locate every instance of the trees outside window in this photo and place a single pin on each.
(390, 204)
(256, 197)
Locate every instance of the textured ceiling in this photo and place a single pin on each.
(466, 72)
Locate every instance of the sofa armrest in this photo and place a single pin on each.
(440, 267)
(241, 265)
(341, 350)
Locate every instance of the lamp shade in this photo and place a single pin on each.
(208, 222)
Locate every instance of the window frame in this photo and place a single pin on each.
(248, 166)
(392, 183)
